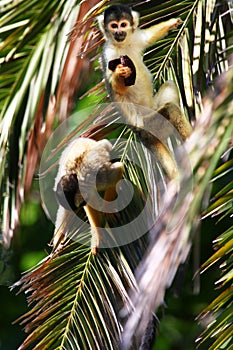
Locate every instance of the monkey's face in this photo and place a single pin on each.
(119, 30)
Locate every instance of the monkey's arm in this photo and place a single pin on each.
(158, 31)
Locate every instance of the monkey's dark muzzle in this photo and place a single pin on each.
(119, 36)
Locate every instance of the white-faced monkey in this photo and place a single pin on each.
(128, 79)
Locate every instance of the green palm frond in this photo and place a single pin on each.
(30, 59)
(219, 312)
(77, 298)
(35, 53)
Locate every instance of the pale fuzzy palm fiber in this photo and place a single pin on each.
(170, 249)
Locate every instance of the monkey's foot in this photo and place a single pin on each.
(94, 244)
(175, 22)
(95, 240)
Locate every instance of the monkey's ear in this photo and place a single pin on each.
(135, 19)
(100, 19)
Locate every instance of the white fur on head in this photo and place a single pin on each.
(135, 19)
(100, 19)
(101, 23)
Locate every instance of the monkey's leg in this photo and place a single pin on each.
(167, 104)
(165, 159)
(95, 218)
(106, 181)
(168, 92)
(175, 116)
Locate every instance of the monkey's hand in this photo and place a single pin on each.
(123, 71)
(119, 78)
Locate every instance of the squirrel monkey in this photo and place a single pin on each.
(84, 170)
(129, 80)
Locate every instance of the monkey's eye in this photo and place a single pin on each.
(114, 25)
(124, 24)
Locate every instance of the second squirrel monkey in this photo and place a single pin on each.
(84, 170)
